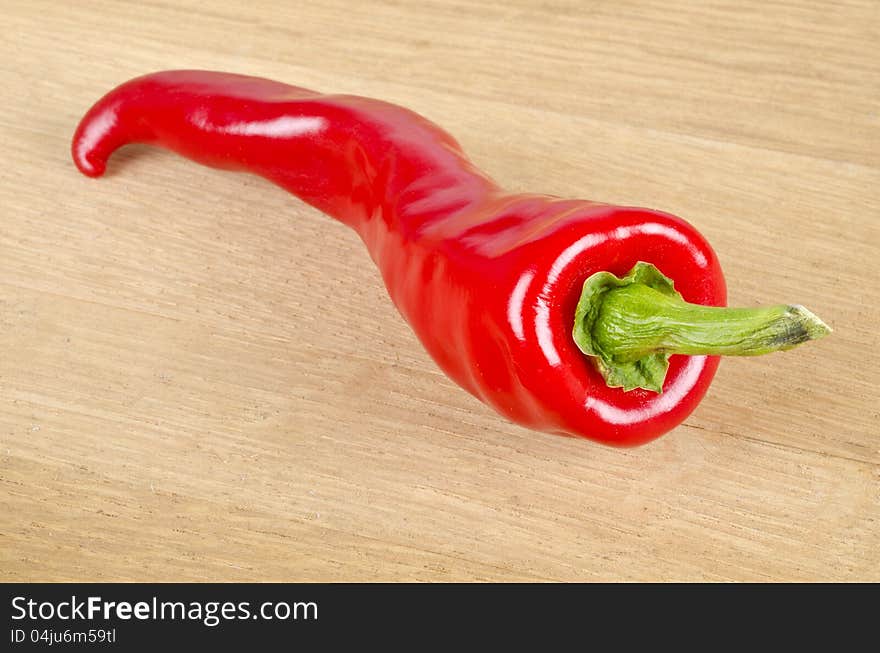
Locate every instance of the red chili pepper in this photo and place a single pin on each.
(491, 282)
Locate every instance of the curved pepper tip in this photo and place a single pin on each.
(97, 136)
(89, 147)
(87, 163)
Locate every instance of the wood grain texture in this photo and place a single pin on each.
(202, 378)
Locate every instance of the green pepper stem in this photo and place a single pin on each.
(637, 320)
(631, 326)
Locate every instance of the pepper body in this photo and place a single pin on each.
(488, 280)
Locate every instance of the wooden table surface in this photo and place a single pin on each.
(202, 378)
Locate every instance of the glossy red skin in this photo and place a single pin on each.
(488, 280)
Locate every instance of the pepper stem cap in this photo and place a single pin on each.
(630, 326)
